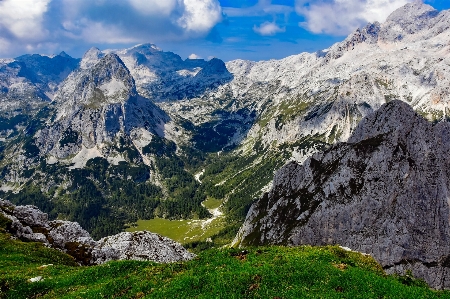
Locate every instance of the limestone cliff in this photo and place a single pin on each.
(384, 192)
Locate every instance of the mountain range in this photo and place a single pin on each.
(139, 133)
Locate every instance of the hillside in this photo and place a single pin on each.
(262, 272)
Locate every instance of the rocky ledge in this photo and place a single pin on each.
(385, 192)
(28, 223)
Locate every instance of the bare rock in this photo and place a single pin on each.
(143, 246)
(28, 223)
(384, 192)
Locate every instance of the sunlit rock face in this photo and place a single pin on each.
(384, 192)
(95, 107)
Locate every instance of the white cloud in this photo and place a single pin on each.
(27, 25)
(340, 17)
(262, 8)
(23, 19)
(200, 15)
(152, 7)
(194, 56)
(268, 29)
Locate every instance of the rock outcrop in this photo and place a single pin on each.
(28, 223)
(384, 192)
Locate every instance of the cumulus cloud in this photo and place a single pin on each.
(23, 19)
(200, 15)
(153, 7)
(268, 29)
(194, 56)
(31, 24)
(340, 17)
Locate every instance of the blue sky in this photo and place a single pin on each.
(227, 29)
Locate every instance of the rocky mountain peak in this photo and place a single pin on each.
(412, 11)
(384, 192)
(214, 67)
(94, 106)
(108, 81)
(91, 57)
(64, 54)
(395, 118)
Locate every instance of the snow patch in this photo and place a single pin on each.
(198, 175)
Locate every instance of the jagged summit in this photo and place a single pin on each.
(108, 81)
(64, 54)
(163, 75)
(90, 58)
(385, 192)
(95, 106)
(412, 11)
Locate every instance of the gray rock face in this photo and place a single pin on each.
(30, 224)
(384, 192)
(95, 106)
(141, 246)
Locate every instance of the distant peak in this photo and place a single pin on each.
(411, 10)
(147, 46)
(91, 57)
(112, 57)
(92, 51)
(64, 54)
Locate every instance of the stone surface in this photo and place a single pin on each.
(30, 224)
(143, 246)
(384, 192)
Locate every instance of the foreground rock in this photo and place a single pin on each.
(28, 223)
(385, 192)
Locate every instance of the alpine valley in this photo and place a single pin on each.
(136, 134)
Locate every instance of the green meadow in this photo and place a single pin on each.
(263, 272)
(184, 231)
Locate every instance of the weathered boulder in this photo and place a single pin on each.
(142, 246)
(30, 224)
(384, 192)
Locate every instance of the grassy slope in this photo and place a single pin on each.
(183, 231)
(266, 272)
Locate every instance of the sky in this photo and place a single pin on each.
(227, 29)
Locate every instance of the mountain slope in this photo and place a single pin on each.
(288, 109)
(96, 106)
(272, 272)
(384, 192)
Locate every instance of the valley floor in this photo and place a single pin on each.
(29, 270)
(186, 231)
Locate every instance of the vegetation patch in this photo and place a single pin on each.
(260, 272)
